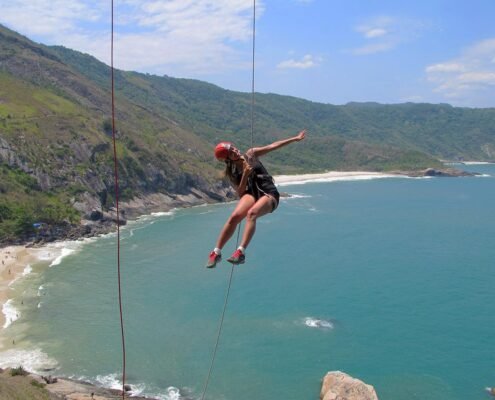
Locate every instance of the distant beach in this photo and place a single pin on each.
(331, 176)
(16, 262)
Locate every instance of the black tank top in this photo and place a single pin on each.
(260, 182)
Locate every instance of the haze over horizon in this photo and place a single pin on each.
(328, 52)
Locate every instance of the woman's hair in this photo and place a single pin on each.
(228, 167)
(228, 171)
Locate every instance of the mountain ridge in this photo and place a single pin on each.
(55, 135)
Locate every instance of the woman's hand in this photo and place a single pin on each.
(301, 135)
(246, 169)
(260, 151)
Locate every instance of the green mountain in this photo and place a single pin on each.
(56, 149)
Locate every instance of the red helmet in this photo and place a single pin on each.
(222, 150)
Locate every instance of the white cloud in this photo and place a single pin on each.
(445, 67)
(48, 17)
(375, 32)
(308, 61)
(373, 48)
(197, 36)
(470, 75)
(386, 33)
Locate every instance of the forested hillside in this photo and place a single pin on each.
(55, 134)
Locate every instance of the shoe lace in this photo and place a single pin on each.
(237, 253)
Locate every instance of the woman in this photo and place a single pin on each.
(256, 189)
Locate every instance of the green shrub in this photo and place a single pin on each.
(19, 371)
(37, 384)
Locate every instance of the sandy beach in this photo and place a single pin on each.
(14, 261)
(330, 176)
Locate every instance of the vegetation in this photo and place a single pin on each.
(15, 385)
(19, 371)
(23, 204)
(56, 136)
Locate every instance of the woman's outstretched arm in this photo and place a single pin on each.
(259, 151)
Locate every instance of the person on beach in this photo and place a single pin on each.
(256, 189)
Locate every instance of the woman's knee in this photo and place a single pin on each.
(235, 218)
(252, 214)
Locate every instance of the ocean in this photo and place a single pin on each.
(390, 280)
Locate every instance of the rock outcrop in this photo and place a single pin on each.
(338, 385)
(446, 172)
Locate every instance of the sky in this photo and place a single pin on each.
(328, 51)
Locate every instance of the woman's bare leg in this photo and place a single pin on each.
(245, 204)
(263, 206)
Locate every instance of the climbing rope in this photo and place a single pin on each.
(116, 180)
(252, 74)
(220, 325)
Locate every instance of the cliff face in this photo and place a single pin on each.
(340, 386)
(56, 146)
(56, 152)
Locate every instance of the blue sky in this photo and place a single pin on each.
(330, 51)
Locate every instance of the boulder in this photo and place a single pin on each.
(338, 385)
(96, 215)
(49, 379)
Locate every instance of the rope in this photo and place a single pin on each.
(116, 180)
(220, 326)
(252, 73)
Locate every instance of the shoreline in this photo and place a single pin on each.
(16, 262)
(332, 176)
(18, 259)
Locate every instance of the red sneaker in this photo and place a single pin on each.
(213, 259)
(237, 258)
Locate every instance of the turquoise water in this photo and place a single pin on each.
(399, 271)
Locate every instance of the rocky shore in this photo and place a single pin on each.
(442, 173)
(96, 221)
(19, 384)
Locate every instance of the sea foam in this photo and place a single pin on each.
(27, 270)
(10, 312)
(317, 323)
(31, 360)
(113, 381)
(65, 252)
(296, 196)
